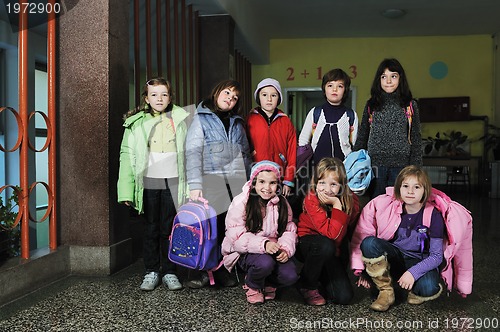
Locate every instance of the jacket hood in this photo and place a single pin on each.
(134, 118)
(280, 113)
(178, 115)
(200, 109)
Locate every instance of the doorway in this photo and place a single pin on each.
(299, 101)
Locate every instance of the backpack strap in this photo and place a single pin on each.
(203, 201)
(316, 114)
(409, 116)
(427, 214)
(211, 272)
(350, 115)
(370, 116)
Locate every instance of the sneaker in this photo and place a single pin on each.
(151, 280)
(201, 282)
(254, 296)
(312, 296)
(172, 282)
(269, 293)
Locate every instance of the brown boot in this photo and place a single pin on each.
(416, 299)
(378, 269)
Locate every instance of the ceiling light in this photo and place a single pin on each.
(393, 13)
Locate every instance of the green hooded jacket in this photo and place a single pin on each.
(134, 156)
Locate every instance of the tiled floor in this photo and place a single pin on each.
(117, 304)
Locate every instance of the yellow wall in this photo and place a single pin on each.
(469, 60)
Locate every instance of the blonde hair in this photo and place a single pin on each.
(335, 165)
(422, 178)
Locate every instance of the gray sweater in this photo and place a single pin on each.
(386, 139)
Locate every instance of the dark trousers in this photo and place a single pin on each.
(384, 177)
(301, 189)
(263, 269)
(323, 268)
(219, 192)
(159, 213)
(373, 247)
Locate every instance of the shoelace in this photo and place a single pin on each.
(150, 276)
(171, 279)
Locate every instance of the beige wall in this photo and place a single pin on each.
(469, 60)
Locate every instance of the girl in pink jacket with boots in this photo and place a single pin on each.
(260, 234)
(392, 242)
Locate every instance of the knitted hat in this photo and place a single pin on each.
(268, 82)
(265, 165)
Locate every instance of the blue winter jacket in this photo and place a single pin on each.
(359, 171)
(211, 150)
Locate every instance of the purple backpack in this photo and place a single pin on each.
(193, 241)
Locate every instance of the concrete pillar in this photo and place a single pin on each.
(216, 51)
(93, 53)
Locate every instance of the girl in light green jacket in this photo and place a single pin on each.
(152, 175)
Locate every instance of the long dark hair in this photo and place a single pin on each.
(211, 102)
(403, 91)
(142, 106)
(253, 211)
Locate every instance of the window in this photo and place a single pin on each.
(3, 81)
(41, 158)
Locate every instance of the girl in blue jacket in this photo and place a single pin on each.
(218, 156)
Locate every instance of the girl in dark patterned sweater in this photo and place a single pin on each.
(390, 126)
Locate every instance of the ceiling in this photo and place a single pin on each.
(259, 21)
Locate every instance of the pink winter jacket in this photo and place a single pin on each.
(382, 215)
(239, 241)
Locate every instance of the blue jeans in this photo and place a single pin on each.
(323, 267)
(384, 177)
(373, 247)
(159, 213)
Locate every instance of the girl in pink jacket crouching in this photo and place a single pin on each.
(399, 236)
(260, 234)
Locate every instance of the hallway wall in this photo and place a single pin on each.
(469, 62)
(93, 94)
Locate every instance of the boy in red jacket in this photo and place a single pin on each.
(270, 132)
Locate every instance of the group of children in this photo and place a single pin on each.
(245, 168)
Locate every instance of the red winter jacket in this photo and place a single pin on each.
(276, 141)
(315, 220)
